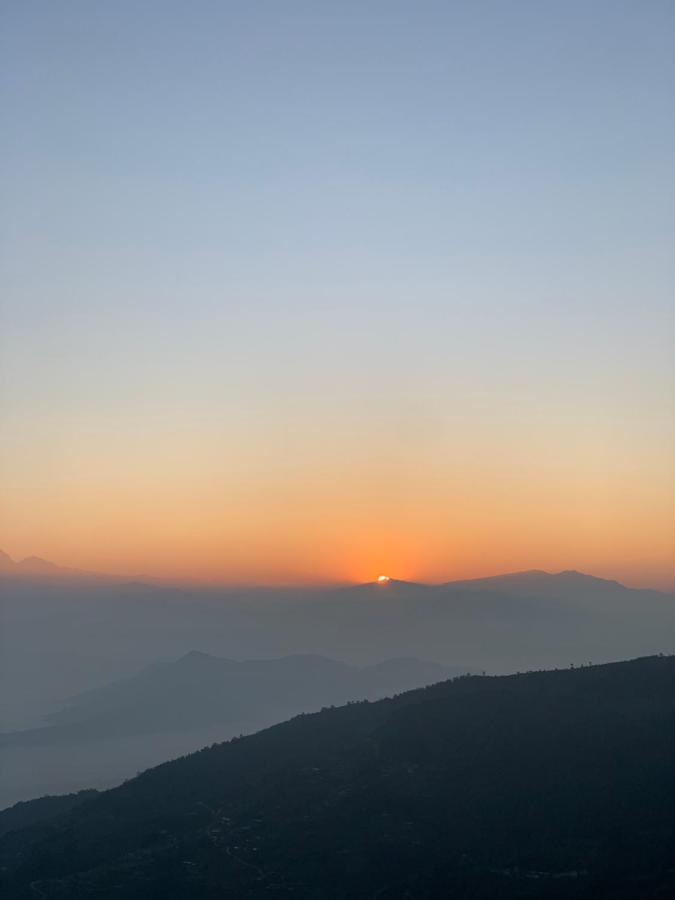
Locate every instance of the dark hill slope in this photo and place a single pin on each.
(27, 812)
(548, 785)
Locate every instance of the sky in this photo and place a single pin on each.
(312, 291)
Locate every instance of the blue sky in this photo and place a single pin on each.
(403, 220)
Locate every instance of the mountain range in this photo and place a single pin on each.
(554, 785)
(103, 735)
(35, 567)
(202, 691)
(61, 637)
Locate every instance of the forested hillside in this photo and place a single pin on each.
(554, 784)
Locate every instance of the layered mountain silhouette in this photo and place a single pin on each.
(103, 735)
(547, 785)
(60, 637)
(201, 691)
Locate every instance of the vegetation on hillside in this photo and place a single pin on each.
(553, 784)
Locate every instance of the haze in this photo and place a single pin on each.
(103, 677)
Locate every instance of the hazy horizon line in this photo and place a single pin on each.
(59, 570)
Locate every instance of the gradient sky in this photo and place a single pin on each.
(300, 291)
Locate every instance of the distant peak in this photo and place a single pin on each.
(575, 573)
(37, 564)
(584, 576)
(388, 581)
(196, 656)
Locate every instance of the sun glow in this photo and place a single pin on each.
(382, 579)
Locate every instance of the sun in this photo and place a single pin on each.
(383, 579)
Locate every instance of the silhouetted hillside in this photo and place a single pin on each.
(551, 785)
(26, 813)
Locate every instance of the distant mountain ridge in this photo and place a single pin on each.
(62, 636)
(36, 566)
(200, 690)
(535, 577)
(173, 707)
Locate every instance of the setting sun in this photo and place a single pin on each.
(382, 579)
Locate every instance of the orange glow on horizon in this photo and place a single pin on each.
(173, 510)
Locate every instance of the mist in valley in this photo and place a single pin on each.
(102, 678)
